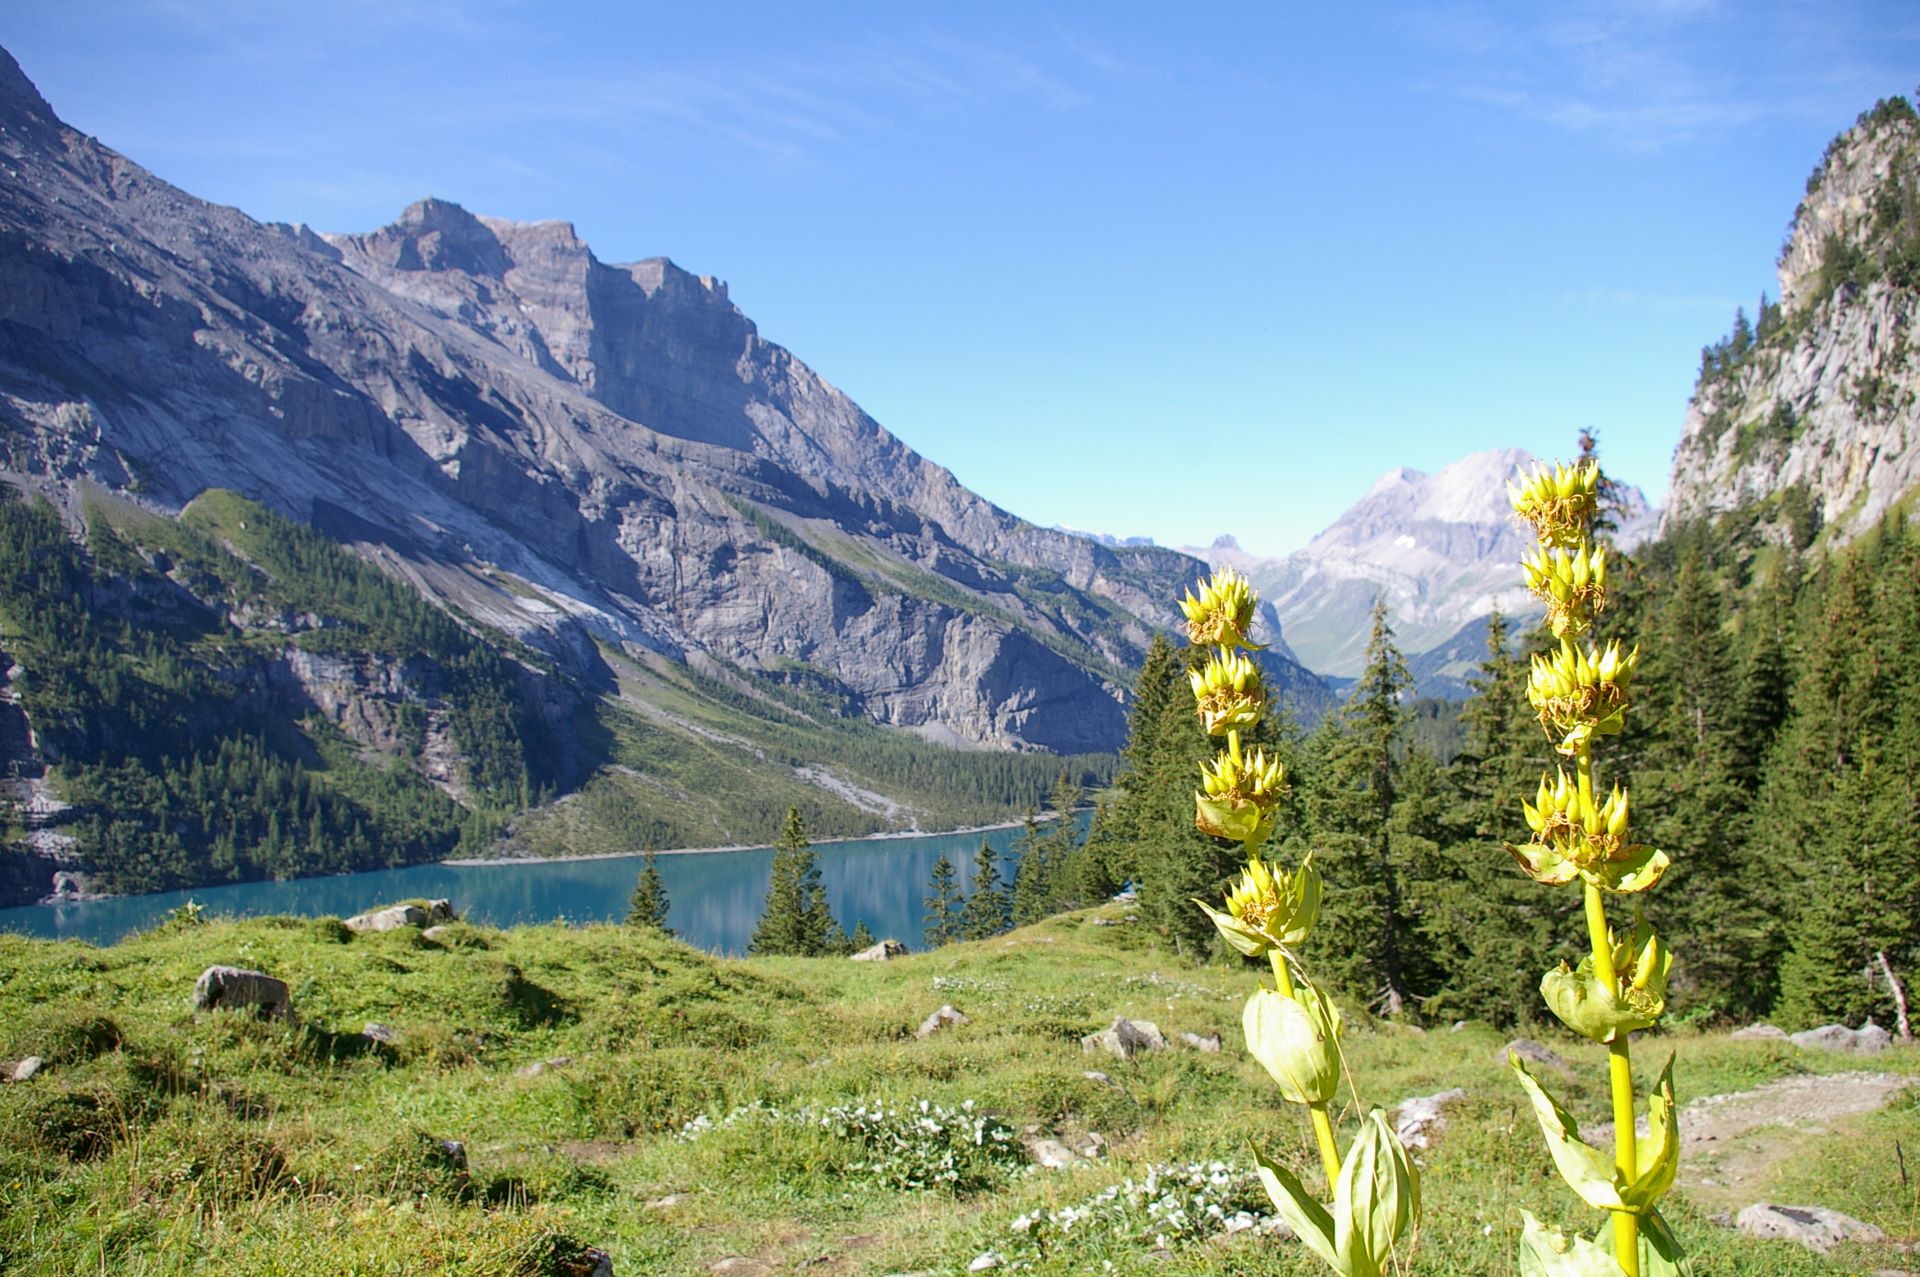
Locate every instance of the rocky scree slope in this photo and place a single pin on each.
(577, 453)
(1811, 413)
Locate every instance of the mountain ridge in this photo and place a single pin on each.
(466, 399)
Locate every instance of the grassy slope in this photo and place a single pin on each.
(217, 1143)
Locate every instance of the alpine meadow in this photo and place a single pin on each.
(1505, 883)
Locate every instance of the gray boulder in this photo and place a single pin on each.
(1124, 1039)
(25, 1069)
(441, 911)
(1533, 1053)
(945, 1017)
(1814, 1227)
(1868, 1039)
(885, 951)
(379, 1033)
(238, 989)
(1421, 1118)
(389, 919)
(1758, 1033)
(1209, 1043)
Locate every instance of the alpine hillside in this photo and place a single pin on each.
(704, 561)
(1813, 405)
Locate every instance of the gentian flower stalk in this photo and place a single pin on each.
(1292, 1029)
(1581, 691)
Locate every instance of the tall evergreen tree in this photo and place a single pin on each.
(649, 904)
(988, 911)
(797, 919)
(1488, 929)
(1033, 874)
(945, 905)
(1838, 808)
(1368, 923)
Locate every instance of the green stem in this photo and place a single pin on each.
(1626, 1152)
(1322, 1123)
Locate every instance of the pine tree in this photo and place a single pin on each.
(649, 904)
(988, 912)
(1032, 875)
(944, 905)
(1487, 928)
(796, 920)
(1367, 924)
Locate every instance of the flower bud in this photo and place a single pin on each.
(1223, 614)
(1269, 908)
(1296, 1040)
(1238, 795)
(1228, 691)
(1560, 502)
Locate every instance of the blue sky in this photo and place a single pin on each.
(1117, 268)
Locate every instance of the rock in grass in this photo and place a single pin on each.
(1815, 1227)
(390, 919)
(602, 1262)
(739, 1266)
(1533, 1053)
(945, 1017)
(379, 1033)
(1209, 1043)
(985, 1262)
(538, 1067)
(1757, 1033)
(239, 989)
(441, 911)
(25, 1069)
(1049, 1153)
(1124, 1038)
(1421, 1118)
(1868, 1039)
(885, 951)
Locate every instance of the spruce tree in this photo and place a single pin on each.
(944, 905)
(649, 904)
(1367, 925)
(1032, 874)
(1486, 927)
(988, 912)
(796, 920)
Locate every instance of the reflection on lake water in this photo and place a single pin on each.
(716, 896)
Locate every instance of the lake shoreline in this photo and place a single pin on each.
(482, 862)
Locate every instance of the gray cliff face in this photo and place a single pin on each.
(569, 450)
(1825, 401)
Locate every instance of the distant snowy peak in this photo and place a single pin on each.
(1441, 549)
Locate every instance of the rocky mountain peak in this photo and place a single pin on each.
(436, 235)
(1847, 196)
(17, 89)
(1811, 414)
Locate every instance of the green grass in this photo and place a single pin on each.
(161, 1141)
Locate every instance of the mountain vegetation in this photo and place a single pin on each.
(489, 1103)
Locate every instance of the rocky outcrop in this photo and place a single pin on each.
(569, 450)
(1819, 405)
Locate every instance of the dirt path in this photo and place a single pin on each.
(1730, 1143)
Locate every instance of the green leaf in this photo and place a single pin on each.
(1308, 1218)
(1660, 1253)
(1377, 1197)
(1587, 1170)
(1658, 1152)
(1589, 1007)
(1546, 1252)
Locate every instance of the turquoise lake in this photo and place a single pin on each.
(716, 896)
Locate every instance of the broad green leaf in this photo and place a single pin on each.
(1587, 1170)
(1307, 1217)
(1548, 1252)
